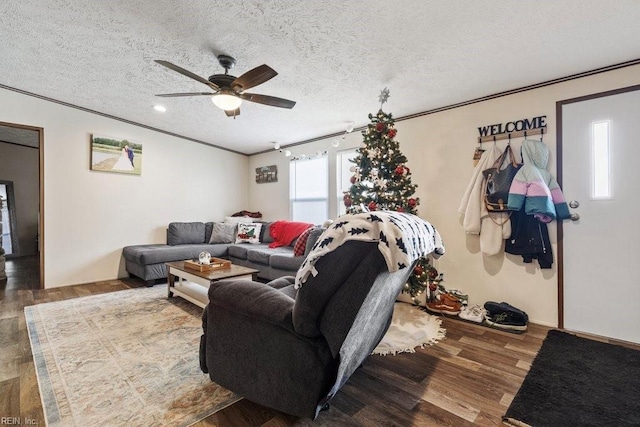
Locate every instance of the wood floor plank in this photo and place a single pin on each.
(10, 401)
(30, 402)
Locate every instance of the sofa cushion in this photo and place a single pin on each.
(153, 254)
(261, 255)
(182, 233)
(314, 234)
(285, 261)
(208, 227)
(240, 250)
(265, 233)
(238, 219)
(222, 233)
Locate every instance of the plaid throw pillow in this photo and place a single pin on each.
(301, 243)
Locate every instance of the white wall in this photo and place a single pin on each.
(439, 148)
(90, 216)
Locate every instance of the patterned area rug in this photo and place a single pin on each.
(123, 358)
(411, 327)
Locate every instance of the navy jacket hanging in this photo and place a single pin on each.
(529, 238)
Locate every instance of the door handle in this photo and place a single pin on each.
(575, 217)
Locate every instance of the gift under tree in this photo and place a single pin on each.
(381, 180)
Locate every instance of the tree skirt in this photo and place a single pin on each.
(411, 327)
(126, 358)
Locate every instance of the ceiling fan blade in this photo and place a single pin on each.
(268, 100)
(232, 113)
(254, 77)
(186, 94)
(188, 74)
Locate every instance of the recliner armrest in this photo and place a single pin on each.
(282, 282)
(256, 300)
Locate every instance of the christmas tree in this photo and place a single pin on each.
(382, 181)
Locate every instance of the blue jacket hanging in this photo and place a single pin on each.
(534, 188)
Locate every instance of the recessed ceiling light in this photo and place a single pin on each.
(160, 108)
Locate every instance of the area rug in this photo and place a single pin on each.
(411, 327)
(579, 382)
(122, 358)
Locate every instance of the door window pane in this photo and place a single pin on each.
(601, 161)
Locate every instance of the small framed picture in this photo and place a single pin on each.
(266, 174)
(110, 154)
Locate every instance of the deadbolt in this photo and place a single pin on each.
(574, 204)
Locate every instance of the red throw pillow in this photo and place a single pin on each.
(301, 243)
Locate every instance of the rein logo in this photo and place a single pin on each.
(17, 421)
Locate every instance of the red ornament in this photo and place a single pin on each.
(353, 179)
(418, 270)
(400, 209)
(433, 273)
(412, 202)
(347, 201)
(392, 133)
(399, 170)
(432, 287)
(379, 127)
(372, 206)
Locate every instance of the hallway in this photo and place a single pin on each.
(22, 274)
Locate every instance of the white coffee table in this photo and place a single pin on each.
(193, 285)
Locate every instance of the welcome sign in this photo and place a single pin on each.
(514, 126)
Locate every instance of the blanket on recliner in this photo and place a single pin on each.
(389, 229)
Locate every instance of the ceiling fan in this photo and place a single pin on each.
(228, 91)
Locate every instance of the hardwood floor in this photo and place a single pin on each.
(470, 378)
(467, 379)
(22, 273)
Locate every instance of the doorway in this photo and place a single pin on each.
(21, 185)
(597, 168)
(9, 235)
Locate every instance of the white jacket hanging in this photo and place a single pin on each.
(492, 230)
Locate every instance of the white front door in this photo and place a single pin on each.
(601, 250)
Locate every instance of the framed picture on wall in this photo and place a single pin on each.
(266, 174)
(109, 154)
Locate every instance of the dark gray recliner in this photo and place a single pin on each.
(292, 350)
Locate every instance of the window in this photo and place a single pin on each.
(601, 161)
(343, 178)
(309, 189)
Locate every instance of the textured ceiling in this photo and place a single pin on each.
(333, 56)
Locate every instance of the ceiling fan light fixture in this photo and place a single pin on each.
(226, 101)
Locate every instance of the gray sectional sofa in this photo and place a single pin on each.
(185, 240)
